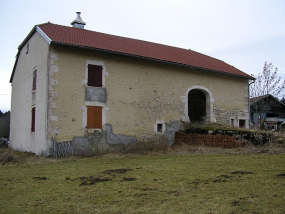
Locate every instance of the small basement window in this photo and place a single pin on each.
(242, 123)
(232, 122)
(159, 128)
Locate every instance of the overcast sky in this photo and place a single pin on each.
(242, 33)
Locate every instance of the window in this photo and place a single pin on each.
(232, 122)
(159, 128)
(94, 75)
(241, 123)
(34, 80)
(94, 117)
(27, 50)
(33, 119)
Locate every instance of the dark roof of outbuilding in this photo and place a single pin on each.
(254, 100)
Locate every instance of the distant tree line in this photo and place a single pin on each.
(4, 124)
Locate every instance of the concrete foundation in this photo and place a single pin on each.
(100, 141)
(81, 146)
(169, 134)
(114, 139)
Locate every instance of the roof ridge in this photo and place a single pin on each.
(45, 23)
(124, 37)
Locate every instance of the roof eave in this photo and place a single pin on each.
(152, 59)
(14, 68)
(39, 30)
(19, 49)
(35, 29)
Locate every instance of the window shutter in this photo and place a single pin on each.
(94, 117)
(33, 119)
(95, 75)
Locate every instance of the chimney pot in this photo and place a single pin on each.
(78, 22)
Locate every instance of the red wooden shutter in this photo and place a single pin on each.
(95, 75)
(33, 119)
(35, 80)
(94, 117)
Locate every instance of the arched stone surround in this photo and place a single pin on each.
(209, 103)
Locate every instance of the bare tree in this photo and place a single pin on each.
(267, 82)
(265, 91)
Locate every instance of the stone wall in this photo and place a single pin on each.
(240, 135)
(139, 93)
(224, 117)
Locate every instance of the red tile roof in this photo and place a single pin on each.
(138, 48)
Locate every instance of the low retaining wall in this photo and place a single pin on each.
(223, 141)
(241, 135)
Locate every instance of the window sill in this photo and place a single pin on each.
(95, 86)
(159, 133)
(91, 130)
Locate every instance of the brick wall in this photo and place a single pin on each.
(223, 141)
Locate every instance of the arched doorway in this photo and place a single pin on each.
(209, 99)
(197, 111)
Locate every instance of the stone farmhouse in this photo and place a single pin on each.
(72, 83)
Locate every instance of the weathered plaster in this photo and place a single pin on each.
(23, 98)
(53, 95)
(95, 94)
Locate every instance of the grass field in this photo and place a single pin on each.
(172, 183)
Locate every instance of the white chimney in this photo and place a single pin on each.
(78, 22)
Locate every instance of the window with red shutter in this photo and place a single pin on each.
(94, 117)
(33, 119)
(95, 75)
(34, 80)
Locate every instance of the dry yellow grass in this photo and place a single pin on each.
(180, 180)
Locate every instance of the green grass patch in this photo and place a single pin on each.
(204, 183)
